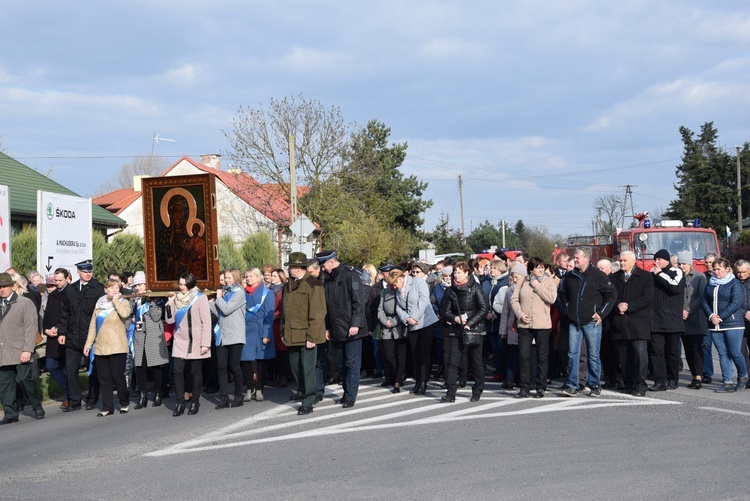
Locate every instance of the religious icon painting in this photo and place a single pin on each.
(180, 231)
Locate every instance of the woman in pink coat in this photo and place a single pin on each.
(190, 312)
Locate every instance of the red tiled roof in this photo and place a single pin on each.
(267, 199)
(116, 201)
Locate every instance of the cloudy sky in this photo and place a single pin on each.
(539, 105)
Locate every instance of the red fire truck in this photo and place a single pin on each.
(646, 239)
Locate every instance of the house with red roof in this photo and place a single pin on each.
(245, 206)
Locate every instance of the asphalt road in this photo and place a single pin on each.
(681, 444)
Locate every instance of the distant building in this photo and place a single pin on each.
(23, 183)
(245, 206)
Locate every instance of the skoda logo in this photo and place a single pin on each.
(50, 211)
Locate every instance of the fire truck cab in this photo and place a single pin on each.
(645, 240)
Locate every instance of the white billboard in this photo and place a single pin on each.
(4, 228)
(63, 225)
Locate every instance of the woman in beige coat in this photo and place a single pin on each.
(531, 302)
(109, 340)
(189, 310)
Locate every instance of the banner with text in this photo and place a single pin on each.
(64, 232)
(4, 228)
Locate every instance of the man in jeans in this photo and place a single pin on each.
(589, 296)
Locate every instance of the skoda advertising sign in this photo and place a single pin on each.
(63, 232)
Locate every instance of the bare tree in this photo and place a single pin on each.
(608, 210)
(141, 165)
(259, 141)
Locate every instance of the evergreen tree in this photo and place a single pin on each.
(706, 181)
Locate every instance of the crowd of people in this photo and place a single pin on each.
(319, 321)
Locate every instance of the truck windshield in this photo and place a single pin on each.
(698, 243)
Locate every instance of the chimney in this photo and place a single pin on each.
(212, 160)
(137, 185)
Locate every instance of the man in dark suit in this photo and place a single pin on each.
(75, 317)
(630, 326)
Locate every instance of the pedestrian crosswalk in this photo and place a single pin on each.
(378, 409)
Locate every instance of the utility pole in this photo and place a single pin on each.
(628, 194)
(292, 177)
(461, 200)
(739, 194)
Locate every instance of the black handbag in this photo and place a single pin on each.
(469, 338)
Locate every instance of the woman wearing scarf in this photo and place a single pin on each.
(415, 311)
(189, 311)
(722, 303)
(531, 301)
(150, 350)
(108, 337)
(259, 345)
(393, 332)
(464, 306)
(229, 334)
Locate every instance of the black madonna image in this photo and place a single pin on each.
(179, 216)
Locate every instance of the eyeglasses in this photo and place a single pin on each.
(416, 272)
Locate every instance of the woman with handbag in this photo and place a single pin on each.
(392, 329)
(531, 303)
(464, 306)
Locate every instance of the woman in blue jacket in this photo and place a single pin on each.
(722, 303)
(259, 346)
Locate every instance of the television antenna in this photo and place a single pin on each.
(155, 140)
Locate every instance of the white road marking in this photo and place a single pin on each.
(238, 434)
(728, 411)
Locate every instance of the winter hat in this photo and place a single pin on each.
(685, 257)
(519, 269)
(139, 278)
(662, 254)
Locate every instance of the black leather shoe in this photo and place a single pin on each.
(415, 390)
(179, 410)
(238, 401)
(90, 406)
(72, 407)
(422, 389)
(539, 393)
(296, 397)
(523, 394)
(223, 403)
(639, 393)
(475, 397)
(318, 399)
(339, 400)
(348, 402)
(157, 399)
(448, 398)
(9, 420)
(672, 384)
(706, 380)
(396, 389)
(194, 408)
(658, 387)
(142, 402)
(462, 383)
(303, 411)
(39, 412)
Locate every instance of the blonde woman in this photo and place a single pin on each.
(108, 338)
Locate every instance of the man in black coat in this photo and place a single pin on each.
(631, 322)
(55, 356)
(346, 320)
(78, 304)
(666, 322)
